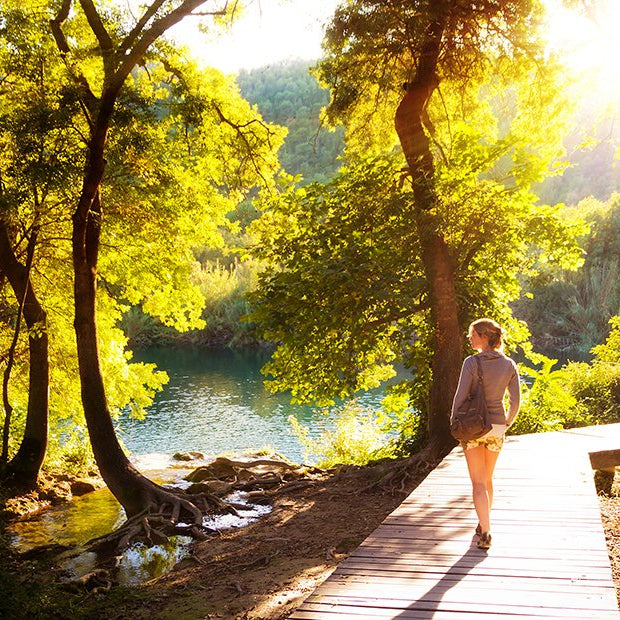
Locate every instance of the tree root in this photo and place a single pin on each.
(172, 511)
(397, 477)
(153, 526)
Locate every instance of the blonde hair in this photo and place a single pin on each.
(492, 330)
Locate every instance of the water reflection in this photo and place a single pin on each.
(75, 523)
(141, 563)
(98, 513)
(215, 403)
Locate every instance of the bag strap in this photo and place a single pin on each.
(480, 375)
(479, 368)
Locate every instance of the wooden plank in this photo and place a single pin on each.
(503, 566)
(507, 584)
(319, 611)
(605, 459)
(548, 559)
(478, 606)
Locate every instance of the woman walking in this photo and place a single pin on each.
(499, 374)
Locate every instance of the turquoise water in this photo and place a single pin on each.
(215, 403)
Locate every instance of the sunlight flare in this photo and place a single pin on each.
(588, 42)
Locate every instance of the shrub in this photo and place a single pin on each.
(546, 405)
(596, 387)
(356, 438)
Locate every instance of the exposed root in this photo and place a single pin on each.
(173, 511)
(398, 476)
(224, 476)
(153, 525)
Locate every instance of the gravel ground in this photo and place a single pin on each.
(610, 513)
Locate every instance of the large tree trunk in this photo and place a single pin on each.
(136, 493)
(24, 467)
(438, 265)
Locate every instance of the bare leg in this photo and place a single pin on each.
(490, 459)
(481, 464)
(477, 472)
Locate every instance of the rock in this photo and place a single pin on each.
(222, 468)
(215, 487)
(188, 456)
(59, 493)
(81, 486)
(200, 474)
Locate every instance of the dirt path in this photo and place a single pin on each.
(265, 570)
(262, 571)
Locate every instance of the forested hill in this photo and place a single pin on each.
(592, 149)
(288, 95)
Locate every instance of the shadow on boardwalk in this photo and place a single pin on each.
(430, 601)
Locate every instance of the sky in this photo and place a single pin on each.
(590, 44)
(274, 30)
(269, 31)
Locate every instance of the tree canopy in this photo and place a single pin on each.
(392, 260)
(182, 148)
(286, 94)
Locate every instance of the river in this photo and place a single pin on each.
(215, 403)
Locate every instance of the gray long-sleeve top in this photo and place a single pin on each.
(499, 373)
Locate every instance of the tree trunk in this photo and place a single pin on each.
(438, 265)
(114, 466)
(135, 492)
(24, 467)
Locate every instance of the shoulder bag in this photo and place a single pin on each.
(471, 420)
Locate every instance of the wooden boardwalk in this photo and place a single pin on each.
(548, 559)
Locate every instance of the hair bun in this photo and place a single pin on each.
(491, 329)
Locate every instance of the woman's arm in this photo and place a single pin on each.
(514, 396)
(464, 386)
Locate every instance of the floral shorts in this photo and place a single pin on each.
(492, 443)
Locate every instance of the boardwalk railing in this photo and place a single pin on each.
(548, 559)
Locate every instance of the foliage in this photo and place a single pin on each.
(352, 269)
(578, 394)
(596, 386)
(591, 168)
(609, 351)
(224, 288)
(344, 291)
(286, 94)
(356, 438)
(546, 404)
(69, 450)
(569, 312)
(334, 287)
(177, 162)
(400, 419)
(372, 48)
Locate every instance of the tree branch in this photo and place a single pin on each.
(56, 26)
(88, 100)
(129, 40)
(143, 41)
(105, 42)
(238, 127)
